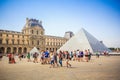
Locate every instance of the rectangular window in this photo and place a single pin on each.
(32, 42)
(13, 36)
(28, 42)
(0, 35)
(18, 41)
(23, 41)
(12, 41)
(37, 42)
(47, 43)
(7, 35)
(6, 41)
(0, 41)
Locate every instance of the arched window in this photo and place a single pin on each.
(8, 50)
(2, 50)
(14, 49)
(25, 50)
(19, 50)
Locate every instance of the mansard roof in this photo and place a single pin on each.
(33, 23)
(10, 31)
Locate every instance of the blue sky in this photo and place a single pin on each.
(101, 18)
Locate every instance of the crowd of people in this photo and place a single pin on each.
(55, 59)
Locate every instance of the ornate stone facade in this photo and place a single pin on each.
(32, 35)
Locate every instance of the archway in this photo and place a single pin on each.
(14, 50)
(25, 50)
(8, 50)
(2, 50)
(19, 50)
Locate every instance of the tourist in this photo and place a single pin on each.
(12, 58)
(74, 56)
(81, 55)
(105, 53)
(64, 55)
(47, 56)
(35, 56)
(86, 55)
(89, 54)
(67, 59)
(60, 56)
(55, 59)
(9, 56)
(71, 55)
(28, 57)
(78, 56)
(97, 54)
(20, 56)
(42, 57)
(52, 58)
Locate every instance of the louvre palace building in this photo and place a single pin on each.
(32, 35)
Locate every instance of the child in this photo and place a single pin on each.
(52, 59)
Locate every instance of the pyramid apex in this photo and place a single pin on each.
(82, 29)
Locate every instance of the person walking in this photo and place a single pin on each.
(42, 57)
(67, 59)
(86, 55)
(81, 56)
(9, 56)
(47, 57)
(60, 56)
(35, 56)
(52, 58)
(12, 58)
(89, 55)
(55, 59)
(28, 57)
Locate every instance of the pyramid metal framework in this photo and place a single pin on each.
(83, 41)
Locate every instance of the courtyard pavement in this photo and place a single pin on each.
(103, 68)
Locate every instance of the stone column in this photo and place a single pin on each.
(5, 50)
(11, 49)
